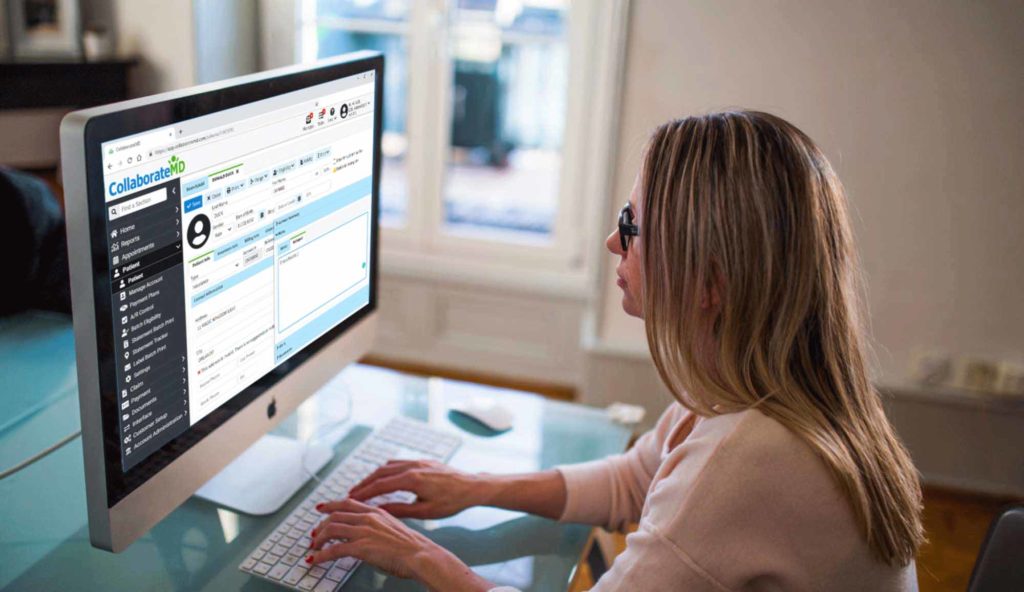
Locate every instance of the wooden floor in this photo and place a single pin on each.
(955, 523)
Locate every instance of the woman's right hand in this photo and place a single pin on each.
(440, 490)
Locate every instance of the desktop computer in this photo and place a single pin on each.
(223, 255)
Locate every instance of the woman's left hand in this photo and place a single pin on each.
(354, 529)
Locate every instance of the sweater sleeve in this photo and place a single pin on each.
(610, 492)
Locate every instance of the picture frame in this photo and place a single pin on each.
(44, 29)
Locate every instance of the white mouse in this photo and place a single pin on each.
(491, 414)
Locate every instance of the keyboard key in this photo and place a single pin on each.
(278, 571)
(283, 552)
(295, 574)
(337, 573)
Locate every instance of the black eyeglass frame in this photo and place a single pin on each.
(626, 227)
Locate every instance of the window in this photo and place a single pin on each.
(490, 123)
(509, 63)
(349, 25)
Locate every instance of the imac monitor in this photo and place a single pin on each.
(223, 253)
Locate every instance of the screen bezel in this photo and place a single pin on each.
(116, 125)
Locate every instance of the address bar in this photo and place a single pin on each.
(204, 154)
(198, 139)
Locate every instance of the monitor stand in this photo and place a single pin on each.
(264, 477)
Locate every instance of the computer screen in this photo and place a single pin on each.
(237, 242)
(235, 239)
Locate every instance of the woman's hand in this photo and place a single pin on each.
(354, 529)
(440, 490)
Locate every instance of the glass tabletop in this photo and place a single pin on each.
(44, 539)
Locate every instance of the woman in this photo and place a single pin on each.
(777, 468)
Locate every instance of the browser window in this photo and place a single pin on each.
(236, 239)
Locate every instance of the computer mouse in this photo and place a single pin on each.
(492, 415)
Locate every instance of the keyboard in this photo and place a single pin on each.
(281, 557)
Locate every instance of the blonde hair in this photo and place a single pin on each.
(744, 206)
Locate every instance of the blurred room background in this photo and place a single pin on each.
(513, 129)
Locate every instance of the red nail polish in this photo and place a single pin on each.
(320, 507)
(313, 533)
(309, 559)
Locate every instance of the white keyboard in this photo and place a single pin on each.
(280, 558)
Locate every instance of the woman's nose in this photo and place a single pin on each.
(613, 243)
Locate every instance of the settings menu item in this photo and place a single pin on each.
(147, 295)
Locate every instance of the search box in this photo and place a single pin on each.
(139, 203)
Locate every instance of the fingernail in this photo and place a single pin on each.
(309, 559)
(320, 507)
(313, 533)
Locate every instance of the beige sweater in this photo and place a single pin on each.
(735, 502)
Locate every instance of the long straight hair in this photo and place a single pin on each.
(745, 206)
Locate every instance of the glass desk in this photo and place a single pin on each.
(44, 539)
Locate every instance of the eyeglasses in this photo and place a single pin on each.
(627, 228)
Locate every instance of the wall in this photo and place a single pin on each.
(226, 33)
(161, 34)
(917, 105)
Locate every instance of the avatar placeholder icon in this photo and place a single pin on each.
(198, 231)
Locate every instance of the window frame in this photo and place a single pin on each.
(422, 248)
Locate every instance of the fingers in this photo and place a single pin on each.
(337, 551)
(389, 469)
(339, 518)
(414, 510)
(400, 482)
(336, 531)
(344, 505)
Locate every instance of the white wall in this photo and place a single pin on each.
(161, 34)
(226, 34)
(181, 43)
(917, 104)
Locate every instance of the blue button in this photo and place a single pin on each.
(195, 185)
(193, 204)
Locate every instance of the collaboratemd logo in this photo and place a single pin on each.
(175, 166)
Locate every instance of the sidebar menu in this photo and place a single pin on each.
(148, 308)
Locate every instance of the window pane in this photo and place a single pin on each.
(333, 40)
(510, 63)
(392, 10)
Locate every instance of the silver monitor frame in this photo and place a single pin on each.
(114, 528)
